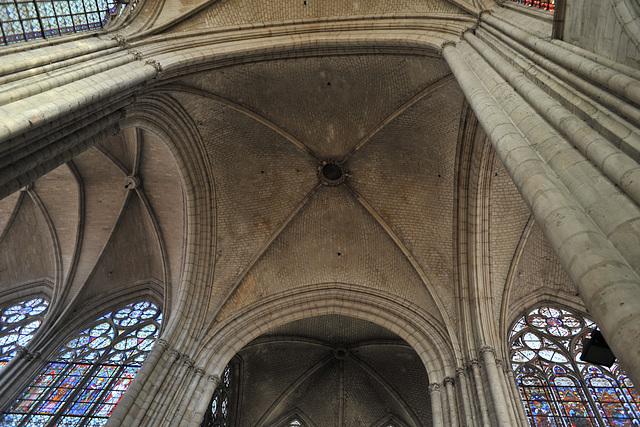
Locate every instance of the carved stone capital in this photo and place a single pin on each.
(474, 362)
(461, 372)
(199, 372)
(487, 349)
(445, 44)
(162, 343)
(155, 64)
(449, 380)
(214, 378)
(434, 387)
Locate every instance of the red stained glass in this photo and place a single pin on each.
(545, 348)
(91, 373)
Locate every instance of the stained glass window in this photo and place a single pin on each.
(82, 385)
(218, 413)
(541, 4)
(22, 20)
(18, 323)
(556, 386)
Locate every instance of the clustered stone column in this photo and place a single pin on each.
(576, 169)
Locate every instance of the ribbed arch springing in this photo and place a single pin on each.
(19, 321)
(23, 20)
(84, 381)
(556, 386)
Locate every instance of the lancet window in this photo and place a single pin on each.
(84, 381)
(19, 322)
(556, 386)
(22, 20)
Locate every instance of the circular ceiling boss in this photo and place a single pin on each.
(332, 173)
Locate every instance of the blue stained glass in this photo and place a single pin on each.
(19, 323)
(61, 7)
(90, 374)
(46, 9)
(545, 344)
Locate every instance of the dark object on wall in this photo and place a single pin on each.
(597, 351)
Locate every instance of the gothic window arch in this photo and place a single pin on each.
(556, 386)
(82, 383)
(22, 20)
(19, 321)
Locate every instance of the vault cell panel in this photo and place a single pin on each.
(7, 206)
(59, 193)
(333, 239)
(406, 172)
(237, 12)
(329, 104)
(260, 179)
(104, 195)
(132, 255)
(26, 251)
(160, 181)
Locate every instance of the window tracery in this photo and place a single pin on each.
(18, 324)
(556, 386)
(22, 20)
(84, 382)
(217, 414)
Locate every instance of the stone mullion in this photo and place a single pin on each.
(608, 285)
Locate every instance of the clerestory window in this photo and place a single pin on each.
(82, 384)
(556, 386)
(22, 20)
(19, 322)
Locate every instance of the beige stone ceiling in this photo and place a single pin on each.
(85, 236)
(293, 369)
(393, 120)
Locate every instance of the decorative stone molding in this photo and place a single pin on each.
(445, 44)
(449, 380)
(155, 64)
(462, 372)
(487, 349)
(214, 378)
(160, 342)
(473, 362)
(27, 354)
(434, 387)
(199, 372)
